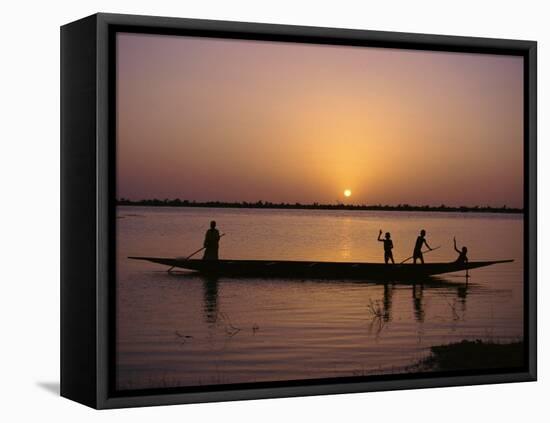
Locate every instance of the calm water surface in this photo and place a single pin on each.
(184, 330)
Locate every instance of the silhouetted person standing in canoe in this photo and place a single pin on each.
(420, 241)
(211, 242)
(462, 254)
(388, 246)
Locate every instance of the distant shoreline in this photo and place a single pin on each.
(316, 206)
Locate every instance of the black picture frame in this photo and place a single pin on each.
(88, 201)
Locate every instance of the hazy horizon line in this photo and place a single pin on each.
(176, 202)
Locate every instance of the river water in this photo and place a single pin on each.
(177, 330)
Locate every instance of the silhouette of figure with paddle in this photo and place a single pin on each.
(211, 242)
(420, 241)
(462, 253)
(388, 246)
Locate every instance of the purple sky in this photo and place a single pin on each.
(229, 120)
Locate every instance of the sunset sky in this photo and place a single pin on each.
(210, 119)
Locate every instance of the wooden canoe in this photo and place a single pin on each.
(317, 269)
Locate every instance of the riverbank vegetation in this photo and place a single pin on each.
(474, 355)
(316, 206)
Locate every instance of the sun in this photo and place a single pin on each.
(347, 193)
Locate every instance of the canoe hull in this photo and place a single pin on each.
(324, 270)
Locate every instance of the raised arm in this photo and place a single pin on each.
(456, 249)
(380, 233)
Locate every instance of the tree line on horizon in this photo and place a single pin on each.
(312, 206)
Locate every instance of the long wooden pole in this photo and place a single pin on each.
(423, 252)
(196, 252)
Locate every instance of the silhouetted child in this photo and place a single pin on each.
(462, 258)
(420, 242)
(388, 246)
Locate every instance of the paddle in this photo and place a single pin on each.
(423, 252)
(191, 255)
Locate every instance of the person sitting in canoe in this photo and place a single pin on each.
(462, 257)
(211, 242)
(388, 246)
(420, 241)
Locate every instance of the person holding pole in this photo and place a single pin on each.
(420, 241)
(211, 242)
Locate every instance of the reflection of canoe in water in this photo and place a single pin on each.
(312, 269)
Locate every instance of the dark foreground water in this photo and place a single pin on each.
(184, 330)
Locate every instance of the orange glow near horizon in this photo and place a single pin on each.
(230, 120)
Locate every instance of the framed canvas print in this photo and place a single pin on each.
(254, 211)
